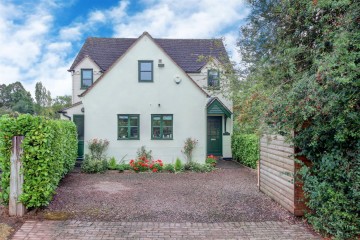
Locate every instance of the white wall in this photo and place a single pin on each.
(119, 92)
(72, 111)
(86, 62)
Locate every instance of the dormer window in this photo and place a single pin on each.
(86, 78)
(146, 71)
(213, 78)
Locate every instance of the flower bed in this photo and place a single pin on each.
(145, 165)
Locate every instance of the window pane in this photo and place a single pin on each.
(167, 122)
(145, 66)
(86, 82)
(134, 121)
(134, 132)
(156, 132)
(145, 76)
(123, 120)
(167, 132)
(213, 74)
(123, 132)
(87, 74)
(156, 121)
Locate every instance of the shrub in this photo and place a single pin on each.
(98, 147)
(210, 160)
(94, 165)
(123, 166)
(197, 167)
(49, 152)
(143, 153)
(189, 146)
(144, 165)
(245, 149)
(178, 167)
(169, 167)
(112, 164)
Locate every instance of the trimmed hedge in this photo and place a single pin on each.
(50, 150)
(245, 149)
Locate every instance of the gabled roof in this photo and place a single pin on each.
(215, 106)
(185, 52)
(126, 51)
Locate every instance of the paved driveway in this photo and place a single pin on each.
(222, 204)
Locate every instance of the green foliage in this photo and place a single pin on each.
(94, 165)
(123, 166)
(169, 168)
(245, 149)
(143, 153)
(178, 166)
(210, 160)
(303, 66)
(97, 148)
(112, 164)
(189, 146)
(50, 150)
(197, 167)
(14, 98)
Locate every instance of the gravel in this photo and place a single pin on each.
(228, 194)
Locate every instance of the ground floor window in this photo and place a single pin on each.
(162, 126)
(128, 126)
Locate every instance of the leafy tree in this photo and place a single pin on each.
(14, 98)
(60, 102)
(302, 60)
(43, 100)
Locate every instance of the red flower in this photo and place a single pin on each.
(154, 170)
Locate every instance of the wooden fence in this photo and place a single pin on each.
(277, 170)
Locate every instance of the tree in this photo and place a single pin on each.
(303, 69)
(43, 100)
(60, 102)
(14, 98)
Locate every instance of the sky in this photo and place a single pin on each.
(39, 39)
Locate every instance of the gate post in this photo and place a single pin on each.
(16, 208)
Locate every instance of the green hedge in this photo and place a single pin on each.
(50, 150)
(245, 149)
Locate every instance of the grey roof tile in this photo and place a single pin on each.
(185, 52)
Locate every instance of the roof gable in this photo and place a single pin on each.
(215, 106)
(185, 52)
(128, 50)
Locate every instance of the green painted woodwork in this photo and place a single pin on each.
(86, 78)
(214, 135)
(217, 108)
(214, 78)
(162, 126)
(79, 121)
(128, 126)
(146, 71)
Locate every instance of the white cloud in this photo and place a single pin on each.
(31, 52)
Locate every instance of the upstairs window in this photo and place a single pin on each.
(162, 126)
(86, 78)
(146, 71)
(128, 126)
(213, 78)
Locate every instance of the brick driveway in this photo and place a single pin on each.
(62, 230)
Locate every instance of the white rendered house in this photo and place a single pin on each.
(150, 92)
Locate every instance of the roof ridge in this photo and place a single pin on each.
(156, 38)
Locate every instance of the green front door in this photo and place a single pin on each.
(79, 122)
(214, 136)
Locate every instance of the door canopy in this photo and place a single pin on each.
(215, 106)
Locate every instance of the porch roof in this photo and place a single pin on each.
(215, 106)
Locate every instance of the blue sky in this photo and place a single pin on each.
(39, 39)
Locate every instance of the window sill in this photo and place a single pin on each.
(128, 139)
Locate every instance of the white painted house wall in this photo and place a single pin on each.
(201, 79)
(119, 92)
(85, 63)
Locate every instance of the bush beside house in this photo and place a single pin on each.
(50, 150)
(245, 149)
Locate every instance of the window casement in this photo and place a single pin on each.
(162, 126)
(86, 78)
(146, 71)
(128, 126)
(214, 78)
